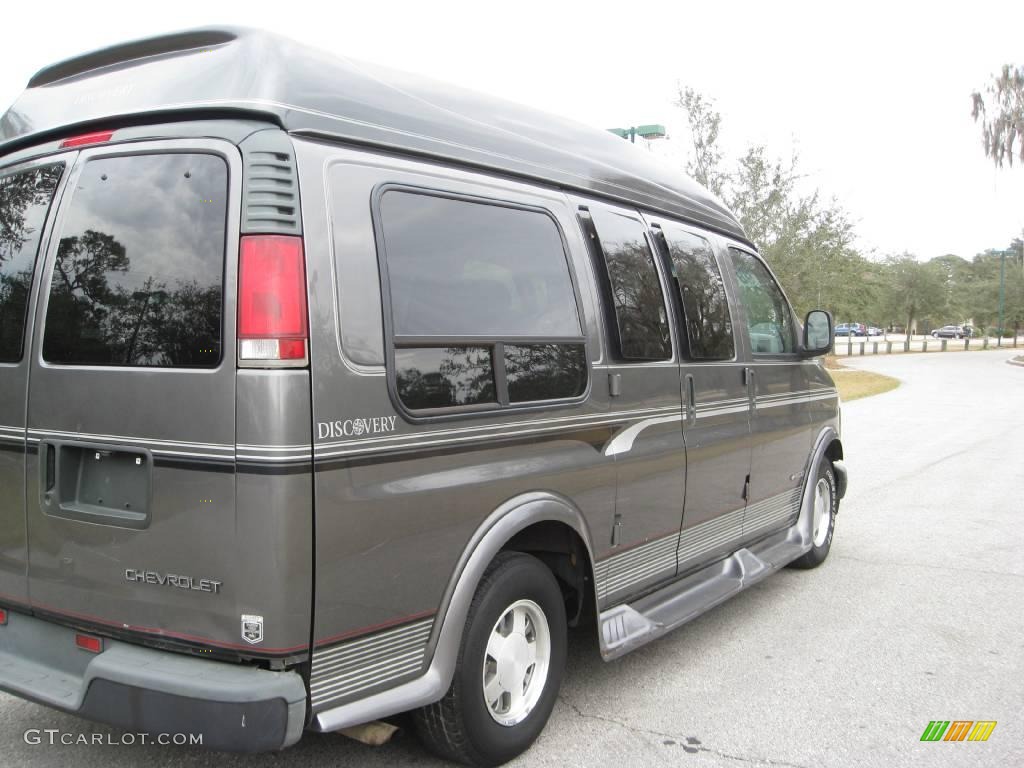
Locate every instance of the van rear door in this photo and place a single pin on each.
(26, 194)
(130, 482)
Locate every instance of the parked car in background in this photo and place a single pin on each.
(873, 331)
(851, 329)
(948, 332)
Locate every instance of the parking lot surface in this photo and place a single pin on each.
(918, 615)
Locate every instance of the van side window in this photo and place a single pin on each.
(703, 296)
(25, 198)
(483, 310)
(139, 275)
(632, 285)
(769, 317)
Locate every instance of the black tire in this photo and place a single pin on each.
(460, 726)
(816, 555)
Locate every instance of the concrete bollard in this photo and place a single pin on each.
(862, 345)
(888, 347)
(944, 343)
(967, 345)
(849, 345)
(985, 343)
(874, 347)
(999, 339)
(906, 346)
(924, 345)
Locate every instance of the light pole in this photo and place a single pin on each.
(652, 131)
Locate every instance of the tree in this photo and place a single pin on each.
(1001, 111)
(705, 162)
(911, 290)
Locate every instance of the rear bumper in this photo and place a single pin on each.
(233, 707)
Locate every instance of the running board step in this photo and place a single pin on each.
(627, 627)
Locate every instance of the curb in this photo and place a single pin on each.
(1014, 361)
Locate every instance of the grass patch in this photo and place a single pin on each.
(853, 385)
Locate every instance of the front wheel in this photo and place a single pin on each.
(509, 669)
(825, 499)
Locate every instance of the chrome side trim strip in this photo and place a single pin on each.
(620, 572)
(708, 536)
(357, 665)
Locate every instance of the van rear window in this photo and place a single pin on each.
(25, 198)
(139, 274)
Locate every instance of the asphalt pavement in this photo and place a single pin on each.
(917, 615)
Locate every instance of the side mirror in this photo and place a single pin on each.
(817, 333)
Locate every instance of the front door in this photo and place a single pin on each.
(716, 428)
(780, 419)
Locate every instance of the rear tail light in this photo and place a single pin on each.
(88, 643)
(272, 312)
(97, 137)
(3, 616)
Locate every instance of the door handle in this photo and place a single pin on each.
(691, 399)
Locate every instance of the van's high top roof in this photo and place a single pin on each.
(244, 72)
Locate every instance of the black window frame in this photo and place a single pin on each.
(604, 286)
(682, 327)
(797, 326)
(105, 153)
(496, 343)
(39, 260)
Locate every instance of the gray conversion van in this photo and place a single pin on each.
(328, 393)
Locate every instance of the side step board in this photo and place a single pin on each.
(629, 626)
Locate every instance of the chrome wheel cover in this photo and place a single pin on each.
(516, 662)
(822, 511)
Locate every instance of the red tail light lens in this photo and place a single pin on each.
(272, 312)
(88, 643)
(97, 137)
(3, 616)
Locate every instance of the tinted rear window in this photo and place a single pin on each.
(138, 279)
(25, 198)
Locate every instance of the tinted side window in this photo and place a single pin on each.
(702, 292)
(458, 267)
(641, 320)
(482, 303)
(769, 318)
(138, 279)
(545, 371)
(25, 198)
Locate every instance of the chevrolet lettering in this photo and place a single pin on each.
(173, 580)
(438, 376)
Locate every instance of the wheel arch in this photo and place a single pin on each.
(521, 524)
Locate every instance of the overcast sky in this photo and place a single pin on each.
(874, 97)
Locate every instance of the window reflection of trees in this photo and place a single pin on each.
(639, 306)
(545, 371)
(160, 324)
(444, 377)
(702, 290)
(24, 200)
